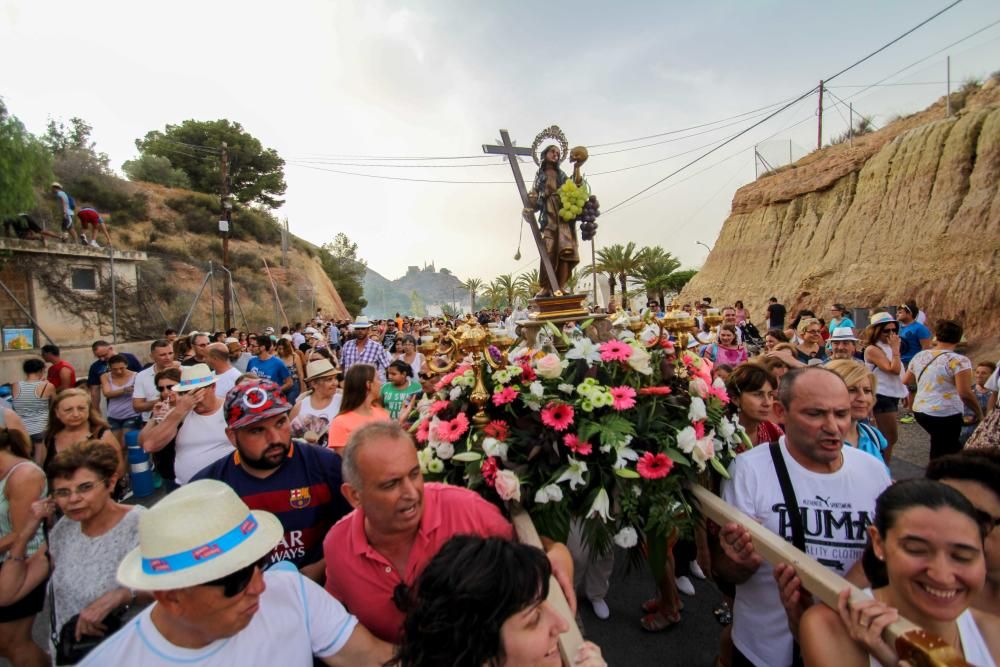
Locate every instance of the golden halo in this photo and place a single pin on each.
(551, 132)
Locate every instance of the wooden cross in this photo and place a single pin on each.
(511, 151)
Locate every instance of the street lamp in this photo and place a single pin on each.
(703, 244)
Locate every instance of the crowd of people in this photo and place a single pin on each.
(297, 525)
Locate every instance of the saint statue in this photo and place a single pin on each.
(558, 235)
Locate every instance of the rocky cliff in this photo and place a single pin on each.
(910, 211)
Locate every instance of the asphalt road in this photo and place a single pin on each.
(691, 643)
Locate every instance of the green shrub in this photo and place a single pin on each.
(155, 169)
(253, 225)
(108, 194)
(199, 212)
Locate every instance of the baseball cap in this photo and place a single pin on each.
(252, 401)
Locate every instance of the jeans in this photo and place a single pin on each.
(944, 432)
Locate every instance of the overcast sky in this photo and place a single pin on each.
(319, 81)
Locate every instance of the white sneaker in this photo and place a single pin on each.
(696, 570)
(684, 585)
(94, 243)
(601, 610)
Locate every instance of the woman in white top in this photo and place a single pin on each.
(196, 425)
(943, 379)
(882, 343)
(925, 561)
(411, 355)
(312, 415)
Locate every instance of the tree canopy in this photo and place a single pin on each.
(24, 162)
(345, 270)
(256, 174)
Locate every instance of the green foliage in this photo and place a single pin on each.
(863, 126)
(63, 140)
(256, 174)
(417, 307)
(199, 212)
(107, 194)
(345, 270)
(473, 285)
(155, 169)
(24, 163)
(678, 279)
(251, 224)
(656, 265)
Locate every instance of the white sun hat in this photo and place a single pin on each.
(195, 377)
(361, 322)
(843, 333)
(199, 533)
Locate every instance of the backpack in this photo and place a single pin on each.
(72, 202)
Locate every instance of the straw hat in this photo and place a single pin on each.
(200, 532)
(843, 333)
(319, 368)
(361, 323)
(195, 377)
(881, 318)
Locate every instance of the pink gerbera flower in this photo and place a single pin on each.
(623, 398)
(452, 430)
(557, 416)
(719, 393)
(654, 466)
(504, 396)
(615, 350)
(423, 430)
(699, 428)
(438, 406)
(489, 470)
(574, 444)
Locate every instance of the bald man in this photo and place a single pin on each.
(217, 358)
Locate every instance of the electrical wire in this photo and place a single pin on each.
(786, 106)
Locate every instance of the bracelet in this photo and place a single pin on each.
(20, 559)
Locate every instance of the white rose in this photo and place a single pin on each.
(566, 388)
(549, 366)
(536, 389)
(686, 440)
(508, 486)
(455, 393)
(445, 450)
(627, 537)
(697, 412)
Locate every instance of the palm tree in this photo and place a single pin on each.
(494, 294)
(573, 281)
(628, 265)
(529, 282)
(473, 285)
(655, 268)
(511, 288)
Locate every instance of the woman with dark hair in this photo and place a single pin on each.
(976, 475)
(943, 379)
(839, 317)
(792, 332)
(411, 355)
(31, 398)
(292, 359)
(399, 394)
(358, 406)
(772, 338)
(742, 316)
(727, 349)
(22, 482)
(752, 390)
(482, 602)
(925, 562)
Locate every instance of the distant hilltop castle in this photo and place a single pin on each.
(428, 268)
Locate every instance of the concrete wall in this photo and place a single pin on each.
(80, 357)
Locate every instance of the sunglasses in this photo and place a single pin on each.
(165, 387)
(893, 330)
(236, 582)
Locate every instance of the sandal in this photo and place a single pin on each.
(652, 605)
(657, 622)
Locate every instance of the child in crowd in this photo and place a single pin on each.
(984, 369)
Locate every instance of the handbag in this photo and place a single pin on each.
(68, 649)
(987, 434)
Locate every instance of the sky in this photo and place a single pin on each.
(323, 82)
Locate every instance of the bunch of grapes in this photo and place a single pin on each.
(573, 198)
(590, 212)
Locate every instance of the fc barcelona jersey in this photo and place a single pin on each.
(304, 493)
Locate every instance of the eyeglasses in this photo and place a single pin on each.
(81, 490)
(814, 331)
(236, 582)
(988, 520)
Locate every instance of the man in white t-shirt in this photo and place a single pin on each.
(835, 488)
(144, 391)
(199, 554)
(226, 374)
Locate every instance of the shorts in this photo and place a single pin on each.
(28, 606)
(67, 222)
(884, 404)
(130, 424)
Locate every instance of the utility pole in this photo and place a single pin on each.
(224, 227)
(819, 129)
(947, 96)
(850, 122)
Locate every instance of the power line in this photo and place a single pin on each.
(786, 106)
(396, 178)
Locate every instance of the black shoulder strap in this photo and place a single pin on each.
(791, 503)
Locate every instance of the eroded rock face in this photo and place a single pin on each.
(912, 211)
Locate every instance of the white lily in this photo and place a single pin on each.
(639, 361)
(584, 348)
(566, 388)
(697, 412)
(703, 451)
(624, 454)
(601, 506)
(687, 439)
(726, 429)
(573, 473)
(494, 447)
(549, 493)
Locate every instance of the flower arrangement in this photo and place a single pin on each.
(607, 432)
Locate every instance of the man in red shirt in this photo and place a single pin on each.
(398, 524)
(90, 217)
(61, 374)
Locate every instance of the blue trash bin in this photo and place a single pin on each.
(140, 467)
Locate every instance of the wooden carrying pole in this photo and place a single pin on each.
(920, 648)
(569, 641)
